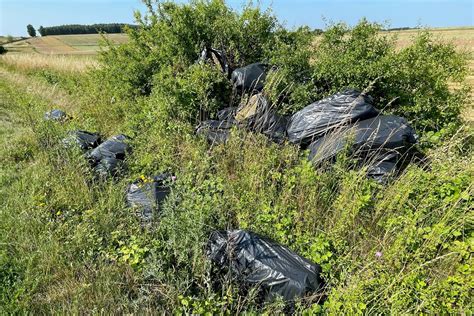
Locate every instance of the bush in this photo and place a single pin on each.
(412, 82)
(171, 37)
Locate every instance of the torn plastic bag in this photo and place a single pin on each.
(115, 147)
(227, 114)
(218, 57)
(258, 116)
(146, 196)
(318, 118)
(365, 137)
(216, 132)
(56, 115)
(249, 78)
(260, 261)
(83, 139)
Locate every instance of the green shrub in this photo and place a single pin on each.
(412, 82)
(171, 37)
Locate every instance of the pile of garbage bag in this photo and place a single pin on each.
(258, 261)
(323, 126)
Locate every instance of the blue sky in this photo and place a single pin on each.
(16, 14)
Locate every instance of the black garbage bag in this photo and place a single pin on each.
(227, 114)
(318, 118)
(108, 166)
(258, 116)
(249, 78)
(218, 57)
(56, 115)
(109, 156)
(366, 137)
(259, 261)
(216, 132)
(147, 195)
(115, 147)
(383, 166)
(85, 140)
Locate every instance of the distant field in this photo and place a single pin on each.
(6, 39)
(463, 38)
(82, 44)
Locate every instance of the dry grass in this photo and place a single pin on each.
(64, 63)
(462, 38)
(78, 44)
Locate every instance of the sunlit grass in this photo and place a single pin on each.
(67, 63)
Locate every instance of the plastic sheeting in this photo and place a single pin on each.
(147, 195)
(320, 117)
(249, 78)
(260, 261)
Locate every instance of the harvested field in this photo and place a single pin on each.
(82, 44)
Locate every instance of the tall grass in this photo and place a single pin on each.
(63, 63)
(69, 244)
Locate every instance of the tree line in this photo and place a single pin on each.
(81, 29)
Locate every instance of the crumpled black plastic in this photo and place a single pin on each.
(147, 196)
(249, 78)
(227, 114)
(265, 120)
(85, 140)
(56, 115)
(383, 165)
(380, 142)
(216, 132)
(381, 132)
(108, 157)
(318, 118)
(108, 166)
(260, 261)
(218, 57)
